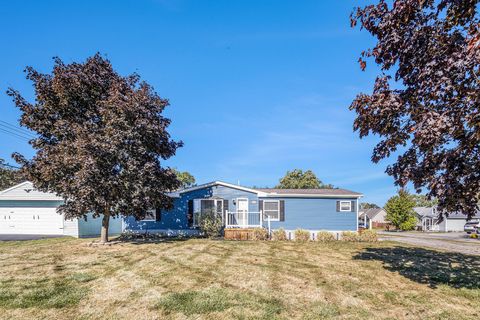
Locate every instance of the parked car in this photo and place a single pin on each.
(471, 227)
(362, 225)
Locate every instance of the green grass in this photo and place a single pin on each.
(216, 300)
(210, 279)
(40, 294)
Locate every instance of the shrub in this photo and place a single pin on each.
(210, 223)
(260, 234)
(350, 236)
(279, 235)
(325, 236)
(302, 235)
(368, 236)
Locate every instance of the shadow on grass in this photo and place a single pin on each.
(139, 241)
(428, 266)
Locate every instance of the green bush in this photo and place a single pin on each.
(368, 236)
(302, 235)
(350, 236)
(210, 223)
(325, 236)
(260, 234)
(279, 235)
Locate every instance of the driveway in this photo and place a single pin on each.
(452, 241)
(25, 237)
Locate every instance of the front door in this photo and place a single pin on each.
(242, 211)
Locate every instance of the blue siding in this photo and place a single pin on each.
(315, 214)
(231, 194)
(175, 219)
(93, 226)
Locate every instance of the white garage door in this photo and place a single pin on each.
(31, 220)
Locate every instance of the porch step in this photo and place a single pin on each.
(238, 233)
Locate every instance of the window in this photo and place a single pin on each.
(345, 206)
(271, 208)
(206, 205)
(150, 215)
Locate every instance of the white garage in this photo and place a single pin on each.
(25, 210)
(30, 220)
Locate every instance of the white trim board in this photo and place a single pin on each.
(32, 193)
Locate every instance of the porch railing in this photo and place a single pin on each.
(243, 219)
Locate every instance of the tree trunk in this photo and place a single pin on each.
(104, 233)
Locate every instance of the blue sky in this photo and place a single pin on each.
(256, 87)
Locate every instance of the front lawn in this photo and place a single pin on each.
(206, 279)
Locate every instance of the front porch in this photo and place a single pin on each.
(243, 219)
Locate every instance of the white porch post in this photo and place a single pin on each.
(269, 229)
(261, 218)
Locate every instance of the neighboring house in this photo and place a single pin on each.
(241, 207)
(373, 218)
(428, 220)
(24, 210)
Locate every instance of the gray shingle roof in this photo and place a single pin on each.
(325, 192)
(430, 212)
(371, 213)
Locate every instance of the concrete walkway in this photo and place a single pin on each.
(453, 241)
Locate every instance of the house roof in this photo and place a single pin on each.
(431, 212)
(216, 183)
(371, 213)
(266, 192)
(26, 191)
(310, 192)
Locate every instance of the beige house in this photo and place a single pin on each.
(373, 218)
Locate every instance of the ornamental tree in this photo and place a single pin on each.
(425, 101)
(400, 211)
(101, 139)
(298, 179)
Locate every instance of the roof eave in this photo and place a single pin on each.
(309, 195)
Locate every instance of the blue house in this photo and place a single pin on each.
(241, 207)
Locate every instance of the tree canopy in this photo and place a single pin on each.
(422, 200)
(298, 179)
(366, 205)
(424, 103)
(101, 138)
(186, 178)
(400, 212)
(9, 176)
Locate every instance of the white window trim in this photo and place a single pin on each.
(154, 215)
(278, 211)
(197, 208)
(349, 206)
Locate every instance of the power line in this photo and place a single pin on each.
(16, 128)
(9, 166)
(19, 136)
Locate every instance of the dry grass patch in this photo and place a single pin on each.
(211, 279)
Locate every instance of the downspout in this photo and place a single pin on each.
(356, 221)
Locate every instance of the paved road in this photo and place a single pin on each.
(24, 237)
(453, 241)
